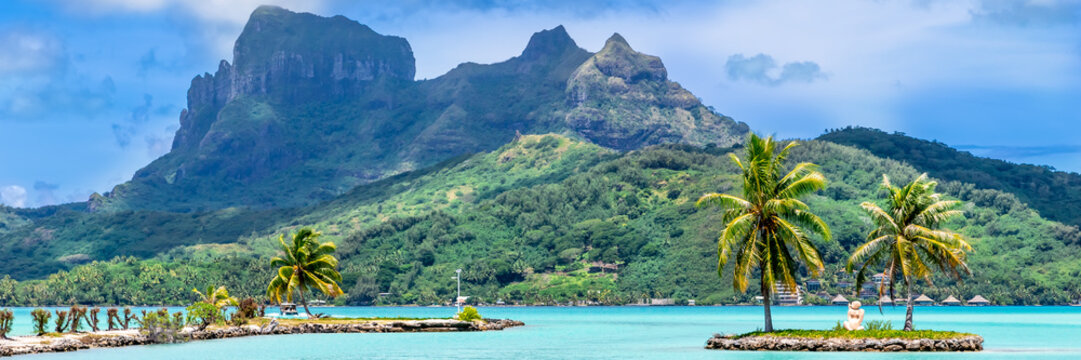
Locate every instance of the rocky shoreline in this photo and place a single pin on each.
(22, 345)
(781, 343)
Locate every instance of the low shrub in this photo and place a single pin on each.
(469, 313)
(202, 314)
(75, 318)
(41, 320)
(61, 321)
(160, 328)
(6, 318)
(247, 308)
(128, 316)
(92, 320)
(112, 318)
(878, 325)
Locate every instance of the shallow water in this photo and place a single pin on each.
(623, 333)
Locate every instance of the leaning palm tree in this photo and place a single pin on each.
(218, 297)
(769, 227)
(303, 265)
(907, 241)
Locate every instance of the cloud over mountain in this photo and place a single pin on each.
(13, 195)
(763, 69)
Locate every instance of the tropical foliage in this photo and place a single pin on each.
(204, 314)
(7, 317)
(908, 241)
(528, 222)
(219, 298)
(1055, 194)
(161, 328)
(769, 224)
(61, 321)
(41, 320)
(304, 264)
(469, 313)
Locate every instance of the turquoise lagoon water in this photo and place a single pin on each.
(623, 333)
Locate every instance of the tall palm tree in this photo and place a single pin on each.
(907, 241)
(768, 227)
(218, 297)
(303, 265)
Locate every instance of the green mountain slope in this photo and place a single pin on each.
(319, 122)
(1055, 194)
(526, 220)
(333, 100)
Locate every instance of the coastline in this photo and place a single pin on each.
(968, 343)
(33, 344)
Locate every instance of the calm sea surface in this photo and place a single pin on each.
(622, 333)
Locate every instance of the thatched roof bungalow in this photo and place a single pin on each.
(978, 301)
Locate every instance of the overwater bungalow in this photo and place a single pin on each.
(978, 301)
(885, 300)
(839, 300)
(951, 301)
(923, 300)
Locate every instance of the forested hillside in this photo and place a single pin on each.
(526, 221)
(1055, 194)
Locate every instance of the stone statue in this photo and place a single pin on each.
(855, 317)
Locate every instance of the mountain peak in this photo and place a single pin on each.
(650, 110)
(269, 10)
(550, 42)
(616, 39)
(618, 59)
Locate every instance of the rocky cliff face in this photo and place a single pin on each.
(291, 57)
(312, 106)
(622, 99)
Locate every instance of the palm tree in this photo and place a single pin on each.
(218, 297)
(907, 240)
(304, 264)
(768, 227)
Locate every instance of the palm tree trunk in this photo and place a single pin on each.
(908, 306)
(765, 305)
(304, 302)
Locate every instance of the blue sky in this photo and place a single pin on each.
(91, 90)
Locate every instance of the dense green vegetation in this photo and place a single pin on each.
(469, 313)
(1055, 194)
(527, 222)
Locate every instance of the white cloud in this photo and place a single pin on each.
(224, 11)
(27, 51)
(763, 69)
(879, 55)
(13, 195)
(221, 20)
